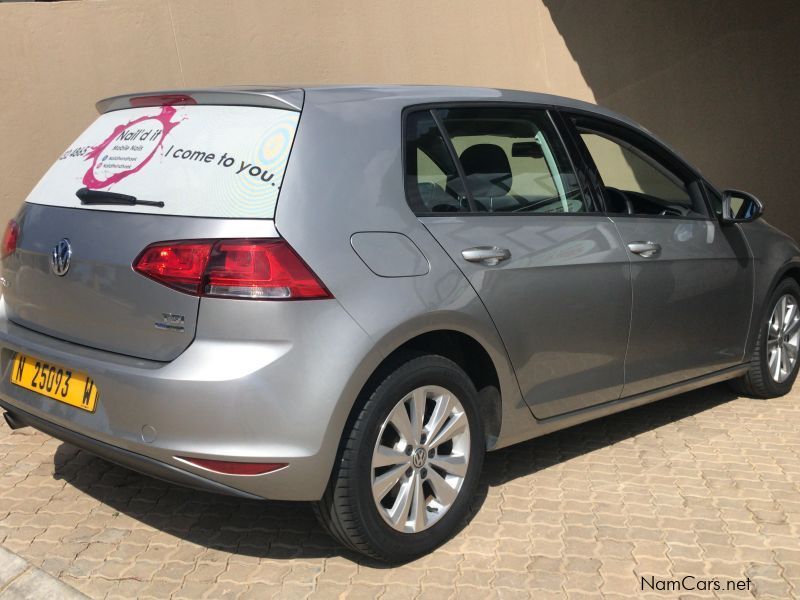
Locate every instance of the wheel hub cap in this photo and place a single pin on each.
(783, 338)
(420, 459)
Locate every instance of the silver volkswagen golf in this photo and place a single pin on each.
(346, 295)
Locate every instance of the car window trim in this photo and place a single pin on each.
(454, 157)
(548, 108)
(662, 152)
(582, 170)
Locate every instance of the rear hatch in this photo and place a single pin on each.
(203, 172)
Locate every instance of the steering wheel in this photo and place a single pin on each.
(620, 196)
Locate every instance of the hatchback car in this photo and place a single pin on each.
(346, 295)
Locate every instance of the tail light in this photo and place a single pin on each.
(10, 239)
(252, 269)
(179, 265)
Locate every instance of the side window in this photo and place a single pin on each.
(636, 183)
(432, 181)
(513, 161)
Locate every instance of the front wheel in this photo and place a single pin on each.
(773, 367)
(409, 464)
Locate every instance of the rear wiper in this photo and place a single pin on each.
(88, 196)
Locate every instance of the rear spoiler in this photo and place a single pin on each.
(285, 98)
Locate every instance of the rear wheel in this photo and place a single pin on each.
(774, 365)
(409, 464)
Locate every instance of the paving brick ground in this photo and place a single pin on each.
(20, 580)
(703, 484)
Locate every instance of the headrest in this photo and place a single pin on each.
(487, 169)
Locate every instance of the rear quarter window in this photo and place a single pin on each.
(208, 161)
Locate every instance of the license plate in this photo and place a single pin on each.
(54, 381)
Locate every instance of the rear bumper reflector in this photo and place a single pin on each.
(227, 467)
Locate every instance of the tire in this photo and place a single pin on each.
(349, 511)
(759, 381)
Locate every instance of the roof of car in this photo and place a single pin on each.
(293, 97)
(300, 96)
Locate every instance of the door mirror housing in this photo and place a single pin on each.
(740, 207)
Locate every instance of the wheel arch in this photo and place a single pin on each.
(789, 269)
(464, 350)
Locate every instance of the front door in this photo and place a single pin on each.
(500, 195)
(692, 277)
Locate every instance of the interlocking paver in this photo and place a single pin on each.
(703, 484)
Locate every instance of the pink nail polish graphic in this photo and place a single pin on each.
(104, 171)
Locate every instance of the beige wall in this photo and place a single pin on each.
(59, 58)
(692, 74)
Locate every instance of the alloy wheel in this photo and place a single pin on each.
(783, 338)
(420, 459)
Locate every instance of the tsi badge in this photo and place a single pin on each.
(171, 322)
(60, 258)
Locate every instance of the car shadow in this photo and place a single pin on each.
(283, 530)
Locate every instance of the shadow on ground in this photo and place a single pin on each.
(289, 530)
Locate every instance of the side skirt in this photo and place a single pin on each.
(549, 425)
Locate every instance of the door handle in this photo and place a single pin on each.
(645, 249)
(487, 255)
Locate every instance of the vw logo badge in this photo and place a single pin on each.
(60, 257)
(418, 458)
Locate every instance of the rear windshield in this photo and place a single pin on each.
(208, 161)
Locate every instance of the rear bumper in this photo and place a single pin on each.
(122, 457)
(224, 399)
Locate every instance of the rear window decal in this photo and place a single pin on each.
(200, 160)
(129, 148)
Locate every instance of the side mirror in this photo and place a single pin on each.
(740, 207)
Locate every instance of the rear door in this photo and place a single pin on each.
(202, 171)
(499, 193)
(692, 278)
